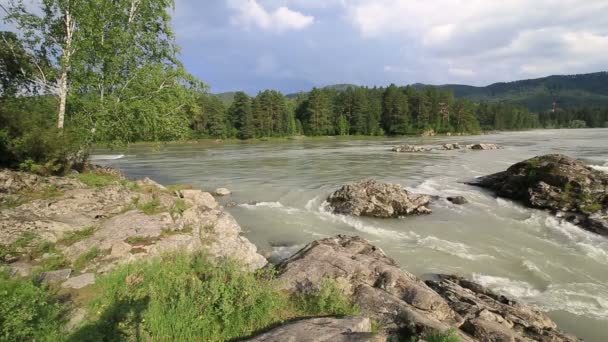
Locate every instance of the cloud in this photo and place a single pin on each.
(490, 40)
(251, 14)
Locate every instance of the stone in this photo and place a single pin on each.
(326, 329)
(372, 198)
(382, 290)
(492, 317)
(79, 282)
(449, 147)
(411, 148)
(565, 186)
(407, 306)
(458, 200)
(150, 183)
(52, 277)
(484, 147)
(222, 192)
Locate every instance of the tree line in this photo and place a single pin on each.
(79, 72)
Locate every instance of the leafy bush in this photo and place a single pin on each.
(29, 140)
(184, 298)
(447, 336)
(28, 312)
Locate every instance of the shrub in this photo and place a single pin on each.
(28, 312)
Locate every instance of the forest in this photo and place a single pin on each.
(74, 74)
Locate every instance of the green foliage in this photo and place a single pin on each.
(178, 207)
(447, 336)
(28, 312)
(328, 300)
(98, 180)
(151, 207)
(71, 238)
(82, 261)
(184, 298)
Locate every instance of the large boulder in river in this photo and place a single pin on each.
(484, 147)
(403, 304)
(372, 198)
(565, 186)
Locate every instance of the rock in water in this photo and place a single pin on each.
(565, 186)
(403, 303)
(222, 192)
(372, 198)
(411, 148)
(458, 200)
(484, 147)
(492, 317)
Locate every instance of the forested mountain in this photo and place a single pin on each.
(570, 91)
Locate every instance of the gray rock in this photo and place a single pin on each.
(484, 147)
(149, 182)
(372, 198)
(491, 317)
(79, 282)
(411, 148)
(222, 192)
(52, 277)
(394, 297)
(560, 184)
(450, 147)
(404, 304)
(352, 329)
(458, 200)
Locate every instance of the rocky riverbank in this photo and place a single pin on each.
(445, 147)
(72, 230)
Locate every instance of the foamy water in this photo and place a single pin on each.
(523, 253)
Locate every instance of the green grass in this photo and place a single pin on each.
(178, 208)
(71, 238)
(86, 258)
(447, 336)
(28, 312)
(184, 298)
(151, 207)
(97, 180)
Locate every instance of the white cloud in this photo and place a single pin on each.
(461, 72)
(252, 14)
(501, 39)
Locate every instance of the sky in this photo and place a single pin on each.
(293, 45)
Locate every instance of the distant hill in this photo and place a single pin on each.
(227, 97)
(590, 90)
(585, 90)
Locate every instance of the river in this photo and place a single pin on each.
(520, 252)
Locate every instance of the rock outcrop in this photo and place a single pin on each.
(95, 229)
(405, 305)
(445, 147)
(372, 198)
(491, 317)
(565, 186)
(326, 329)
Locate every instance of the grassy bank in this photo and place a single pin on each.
(176, 298)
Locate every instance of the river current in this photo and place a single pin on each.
(521, 252)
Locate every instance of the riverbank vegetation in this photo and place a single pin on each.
(75, 74)
(177, 298)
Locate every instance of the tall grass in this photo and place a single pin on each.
(183, 298)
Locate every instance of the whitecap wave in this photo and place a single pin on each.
(603, 168)
(452, 248)
(535, 270)
(325, 214)
(270, 205)
(592, 245)
(513, 288)
(106, 157)
(583, 299)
